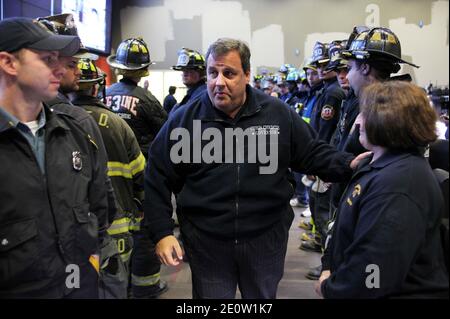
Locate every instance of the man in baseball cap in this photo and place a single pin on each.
(50, 229)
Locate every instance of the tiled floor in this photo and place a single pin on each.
(294, 285)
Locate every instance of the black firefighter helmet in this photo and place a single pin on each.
(189, 59)
(131, 55)
(320, 53)
(89, 72)
(337, 61)
(376, 43)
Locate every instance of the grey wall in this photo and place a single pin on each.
(284, 31)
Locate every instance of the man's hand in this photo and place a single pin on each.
(169, 251)
(358, 159)
(323, 276)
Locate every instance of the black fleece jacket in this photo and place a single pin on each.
(231, 197)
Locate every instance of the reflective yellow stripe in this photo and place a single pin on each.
(145, 280)
(138, 164)
(118, 171)
(135, 228)
(307, 120)
(118, 230)
(120, 226)
(127, 170)
(121, 221)
(136, 224)
(124, 225)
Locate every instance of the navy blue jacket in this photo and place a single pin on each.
(325, 115)
(169, 103)
(139, 108)
(389, 217)
(192, 94)
(232, 200)
(348, 114)
(309, 100)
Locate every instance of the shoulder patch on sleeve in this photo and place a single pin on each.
(327, 112)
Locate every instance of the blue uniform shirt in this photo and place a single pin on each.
(36, 141)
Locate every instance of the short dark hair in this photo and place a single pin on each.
(398, 115)
(224, 45)
(172, 89)
(383, 68)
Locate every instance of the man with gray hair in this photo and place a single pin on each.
(227, 155)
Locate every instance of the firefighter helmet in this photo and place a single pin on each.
(189, 59)
(131, 55)
(64, 24)
(89, 72)
(302, 76)
(279, 78)
(285, 68)
(258, 78)
(293, 75)
(320, 53)
(309, 65)
(377, 42)
(337, 61)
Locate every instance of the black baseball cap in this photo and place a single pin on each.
(18, 33)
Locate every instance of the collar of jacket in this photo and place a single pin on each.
(60, 98)
(329, 82)
(386, 159)
(128, 81)
(82, 100)
(5, 123)
(316, 89)
(52, 121)
(195, 87)
(351, 94)
(391, 156)
(211, 113)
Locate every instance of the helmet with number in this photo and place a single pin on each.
(64, 24)
(189, 59)
(337, 61)
(376, 43)
(320, 53)
(89, 72)
(131, 55)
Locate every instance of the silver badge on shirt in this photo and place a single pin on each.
(76, 161)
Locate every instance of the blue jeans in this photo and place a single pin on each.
(301, 193)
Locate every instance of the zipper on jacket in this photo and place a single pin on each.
(238, 168)
(57, 237)
(47, 193)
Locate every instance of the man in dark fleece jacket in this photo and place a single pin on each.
(234, 189)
